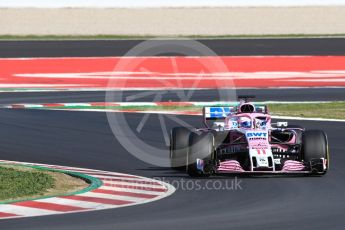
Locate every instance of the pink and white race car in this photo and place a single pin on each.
(242, 139)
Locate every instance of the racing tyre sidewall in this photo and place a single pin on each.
(179, 141)
(315, 146)
(201, 146)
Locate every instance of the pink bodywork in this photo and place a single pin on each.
(234, 166)
(230, 166)
(260, 145)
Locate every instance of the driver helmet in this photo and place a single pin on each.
(245, 122)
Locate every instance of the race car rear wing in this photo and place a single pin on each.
(215, 113)
(221, 112)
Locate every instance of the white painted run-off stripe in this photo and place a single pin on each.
(143, 184)
(80, 204)
(24, 211)
(131, 189)
(113, 197)
(308, 119)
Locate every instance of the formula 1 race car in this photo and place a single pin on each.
(242, 139)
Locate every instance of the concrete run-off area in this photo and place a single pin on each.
(173, 21)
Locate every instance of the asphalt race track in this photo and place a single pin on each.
(84, 139)
(307, 94)
(233, 47)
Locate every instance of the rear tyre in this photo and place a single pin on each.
(179, 140)
(201, 148)
(315, 147)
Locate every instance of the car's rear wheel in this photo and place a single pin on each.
(201, 148)
(315, 147)
(179, 140)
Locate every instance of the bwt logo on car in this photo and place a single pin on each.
(216, 112)
(256, 134)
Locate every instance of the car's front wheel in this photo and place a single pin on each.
(315, 147)
(201, 147)
(179, 140)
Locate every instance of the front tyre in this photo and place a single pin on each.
(179, 140)
(315, 148)
(201, 148)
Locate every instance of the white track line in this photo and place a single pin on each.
(114, 197)
(308, 119)
(81, 204)
(142, 184)
(130, 189)
(24, 211)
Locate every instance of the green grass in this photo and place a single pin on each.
(143, 37)
(18, 183)
(333, 110)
